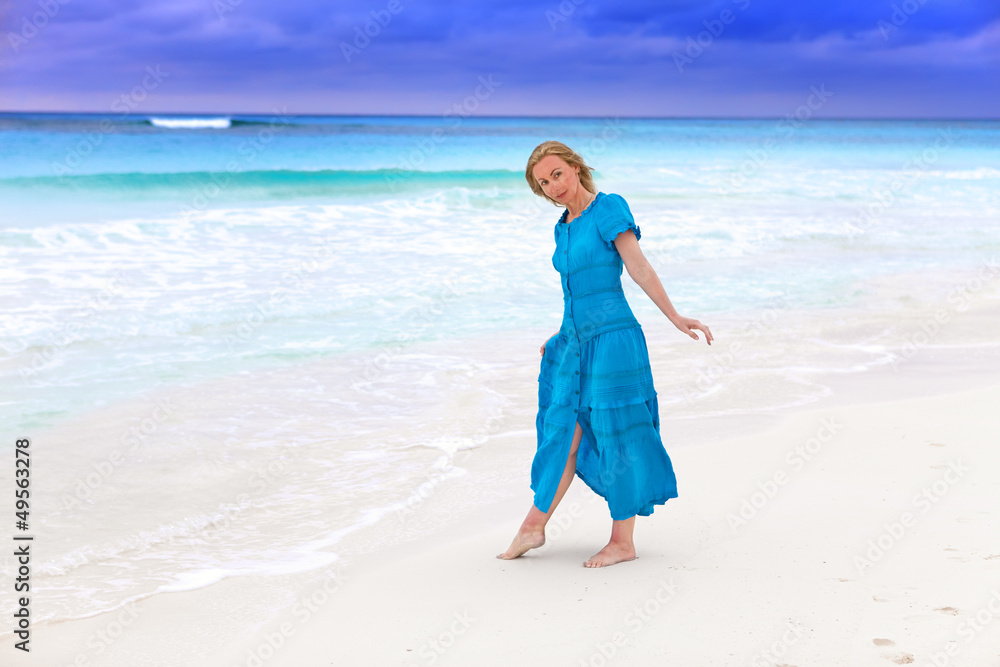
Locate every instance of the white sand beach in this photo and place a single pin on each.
(860, 535)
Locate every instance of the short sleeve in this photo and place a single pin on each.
(615, 219)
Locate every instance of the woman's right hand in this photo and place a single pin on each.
(542, 348)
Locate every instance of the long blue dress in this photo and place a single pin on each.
(596, 372)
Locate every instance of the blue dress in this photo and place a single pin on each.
(596, 372)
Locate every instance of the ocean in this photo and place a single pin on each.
(212, 324)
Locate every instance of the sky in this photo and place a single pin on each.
(627, 58)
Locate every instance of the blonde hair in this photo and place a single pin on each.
(569, 156)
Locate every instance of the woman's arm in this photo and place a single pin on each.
(642, 272)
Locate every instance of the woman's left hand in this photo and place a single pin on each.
(688, 325)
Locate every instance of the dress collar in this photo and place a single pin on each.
(565, 213)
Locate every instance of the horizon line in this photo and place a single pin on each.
(227, 114)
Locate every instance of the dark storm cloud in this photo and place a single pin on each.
(587, 55)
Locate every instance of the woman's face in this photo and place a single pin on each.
(558, 180)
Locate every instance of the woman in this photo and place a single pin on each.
(595, 380)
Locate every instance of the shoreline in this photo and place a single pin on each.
(748, 326)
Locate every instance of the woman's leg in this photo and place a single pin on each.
(619, 549)
(532, 532)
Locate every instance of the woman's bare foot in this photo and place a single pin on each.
(615, 552)
(531, 534)
(523, 541)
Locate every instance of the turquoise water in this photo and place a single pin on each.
(137, 253)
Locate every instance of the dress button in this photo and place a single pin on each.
(578, 392)
(575, 410)
(578, 372)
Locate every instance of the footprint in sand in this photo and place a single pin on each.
(947, 610)
(883, 642)
(937, 444)
(902, 658)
